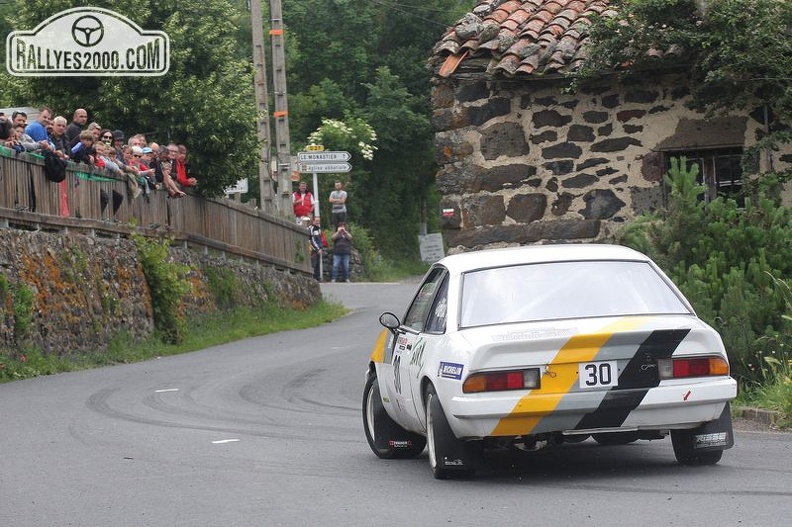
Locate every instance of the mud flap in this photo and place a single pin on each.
(389, 435)
(453, 454)
(714, 435)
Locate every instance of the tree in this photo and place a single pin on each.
(205, 101)
(373, 69)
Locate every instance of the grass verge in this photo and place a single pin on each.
(211, 330)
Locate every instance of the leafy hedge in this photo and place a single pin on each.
(734, 265)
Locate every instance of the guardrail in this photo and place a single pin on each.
(96, 203)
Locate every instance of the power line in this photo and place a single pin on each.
(409, 11)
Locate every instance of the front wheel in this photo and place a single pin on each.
(385, 437)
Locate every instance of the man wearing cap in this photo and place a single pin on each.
(118, 143)
(77, 125)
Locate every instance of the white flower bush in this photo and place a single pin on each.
(355, 135)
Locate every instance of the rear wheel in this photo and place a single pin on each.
(685, 454)
(385, 437)
(448, 456)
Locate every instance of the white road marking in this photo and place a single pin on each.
(223, 441)
(167, 390)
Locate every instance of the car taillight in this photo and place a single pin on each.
(498, 381)
(692, 367)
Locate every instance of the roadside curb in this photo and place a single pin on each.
(768, 417)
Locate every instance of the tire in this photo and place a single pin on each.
(682, 440)
(616, 438)
(385, 437)
(448, 456)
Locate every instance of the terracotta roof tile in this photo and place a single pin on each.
(529, 37)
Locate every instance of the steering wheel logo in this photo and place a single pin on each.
(87, 31)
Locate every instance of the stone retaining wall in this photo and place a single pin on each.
(523, 162)
(88, 289)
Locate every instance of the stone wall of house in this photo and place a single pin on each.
(85, 290)
(526, 163)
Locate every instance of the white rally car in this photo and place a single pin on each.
(536, 346)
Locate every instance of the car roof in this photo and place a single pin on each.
(528, 254)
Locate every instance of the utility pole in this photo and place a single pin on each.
(262, 107)
(281, 113)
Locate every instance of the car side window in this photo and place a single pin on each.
(419, 309)
(437, 316)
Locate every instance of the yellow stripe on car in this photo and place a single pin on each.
(378, 354)
(559, 379)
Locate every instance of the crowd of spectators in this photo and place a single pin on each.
(145, 166)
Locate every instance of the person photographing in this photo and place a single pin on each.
(342, 249)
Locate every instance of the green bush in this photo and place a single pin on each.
(732, 263)
(167, 284)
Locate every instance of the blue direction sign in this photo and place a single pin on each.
(323, 157)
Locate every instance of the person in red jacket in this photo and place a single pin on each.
(302, 202)
(177, 154)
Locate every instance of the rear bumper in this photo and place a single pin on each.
(673, 405)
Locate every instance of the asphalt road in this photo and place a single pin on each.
(267, 432)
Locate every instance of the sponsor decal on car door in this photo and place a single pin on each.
(409, 349)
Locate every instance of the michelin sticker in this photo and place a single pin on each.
(87, 42)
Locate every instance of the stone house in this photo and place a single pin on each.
(523, 161)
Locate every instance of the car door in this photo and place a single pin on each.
(418, 333)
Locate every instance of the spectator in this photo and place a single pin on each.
(147, 171)
(103, 159)
(131, 170)
(342, 250)
(338, 198)
(96, 129)
(183, 177)
(106, 136)
(7, 132)
(37, 130)
(19, 118)
(77, 125)
(25, 141)
(14, 139)
(83, 151)
(137, 140)
(302, 202)
(58, 137)
(167, 181)
(315, 239)
(112, 163)
(118, 142)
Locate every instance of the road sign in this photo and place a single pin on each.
(323, 157)
(324, 167)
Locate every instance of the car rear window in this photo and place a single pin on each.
(565, 290)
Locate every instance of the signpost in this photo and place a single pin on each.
(317, 160)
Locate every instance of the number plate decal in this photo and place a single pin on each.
(598, 375)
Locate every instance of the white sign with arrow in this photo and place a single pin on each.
(323, 156)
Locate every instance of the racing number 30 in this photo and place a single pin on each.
(598, 374)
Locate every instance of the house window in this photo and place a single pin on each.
(720, 171)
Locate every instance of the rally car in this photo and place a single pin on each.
(540, 345)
